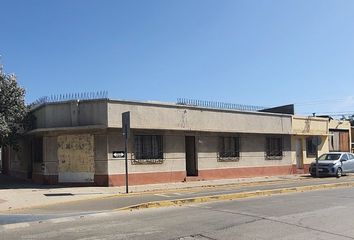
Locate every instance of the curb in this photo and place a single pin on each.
(234, 196)
(186, 201)
(131, 194)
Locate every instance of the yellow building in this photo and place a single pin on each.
(352, 139)
(333, 135)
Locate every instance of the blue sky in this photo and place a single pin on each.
(255, 52)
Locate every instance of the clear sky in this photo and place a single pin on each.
(250, 52)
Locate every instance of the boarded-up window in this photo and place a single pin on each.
(339, 141)
(344, 141)
(76, 158)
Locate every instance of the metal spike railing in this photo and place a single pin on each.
(218, 105)
(70, 96)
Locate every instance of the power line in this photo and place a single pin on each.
(330, 113)
(324, 101)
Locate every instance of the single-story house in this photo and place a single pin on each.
(81, 142)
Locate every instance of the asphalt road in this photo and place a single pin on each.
(120, 201)
(326, 214)
(87, 207)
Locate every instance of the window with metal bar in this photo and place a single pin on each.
(229, 149)
(148, 147)
(310, 148)
(274, 148)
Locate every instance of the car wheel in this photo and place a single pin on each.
(339, 172)
(313, 175)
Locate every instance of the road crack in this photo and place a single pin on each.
(259, 218)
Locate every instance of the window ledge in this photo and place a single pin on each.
(228, 159)
(274, 157)
(146, 161)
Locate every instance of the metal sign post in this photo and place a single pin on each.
(126, 133)
(317, 140)
(317, 174)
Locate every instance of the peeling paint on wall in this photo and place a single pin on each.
(76, 158)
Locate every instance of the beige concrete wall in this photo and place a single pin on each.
(53, 115)
(309, 125)
(322, 148)
(305, 127)
(20, 159)
(339, 125)
(93, 113)
(71, 114)
(167, 117)
(252, 152)
(50, 156)
(159, 117)
(101, 154)
(174, 156)
(352, 138)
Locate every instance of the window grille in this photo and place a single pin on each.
(310, 148)
(274, 148)
(148, 149)
(229, 149)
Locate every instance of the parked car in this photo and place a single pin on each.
(333, 164)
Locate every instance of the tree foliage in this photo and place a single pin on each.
(348, 118)
(13, 110)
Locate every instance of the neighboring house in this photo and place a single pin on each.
(340, 136)
(334, 135)
(352, 136)
(74, 142)
(303, 149)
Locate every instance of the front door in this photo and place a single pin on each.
(299, 161)
(191, 161)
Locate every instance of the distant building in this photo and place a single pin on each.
(75, 142)
(352, 139)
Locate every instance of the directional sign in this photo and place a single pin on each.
(118, 154)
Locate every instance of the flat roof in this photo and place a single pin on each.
(161, 104)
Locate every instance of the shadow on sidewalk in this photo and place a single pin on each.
(8, 182)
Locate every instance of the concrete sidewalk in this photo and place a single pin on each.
(18, 194)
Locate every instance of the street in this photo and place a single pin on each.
(108, 204)
(325, 214)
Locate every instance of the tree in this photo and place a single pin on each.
(349, 118)
(13, 110)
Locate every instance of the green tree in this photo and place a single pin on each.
(13, 110)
